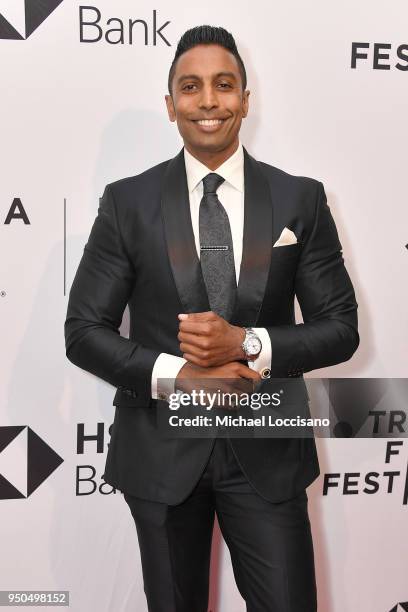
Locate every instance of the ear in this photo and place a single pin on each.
(245, 102)
(170, 107)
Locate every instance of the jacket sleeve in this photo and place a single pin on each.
(328, 334)
(99, 294)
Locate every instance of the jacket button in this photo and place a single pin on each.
(265, 373)
(162, 396)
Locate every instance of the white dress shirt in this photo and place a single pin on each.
(231, 195)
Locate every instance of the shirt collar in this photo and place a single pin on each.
(232, 170)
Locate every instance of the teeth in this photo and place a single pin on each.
(210, 121)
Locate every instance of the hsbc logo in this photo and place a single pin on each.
(402, 606)
(20, 18)
(25, 461)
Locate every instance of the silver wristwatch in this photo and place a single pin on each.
(251, 345)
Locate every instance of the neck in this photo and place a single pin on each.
(213, 159)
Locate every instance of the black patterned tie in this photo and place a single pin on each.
(216, 250)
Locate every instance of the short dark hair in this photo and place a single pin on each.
(207, 35)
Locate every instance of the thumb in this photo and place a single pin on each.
(248, 373)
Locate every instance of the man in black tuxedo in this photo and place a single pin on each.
(209, 249)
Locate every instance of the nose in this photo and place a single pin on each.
(208, 98)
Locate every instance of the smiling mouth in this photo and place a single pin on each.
(209, 122)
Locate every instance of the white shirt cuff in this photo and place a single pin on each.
(164, 373)
(264, 360)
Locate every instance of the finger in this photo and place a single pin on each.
(201, 342)
(194, 359)
(193, 350)
(198, 316)
(196, 327)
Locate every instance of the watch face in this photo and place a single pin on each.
(253, 346)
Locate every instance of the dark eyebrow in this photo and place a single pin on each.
(183, 77)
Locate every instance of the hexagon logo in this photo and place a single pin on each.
(402, 606)
(19, 18)
(25, 461)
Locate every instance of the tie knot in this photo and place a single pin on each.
(211, 182)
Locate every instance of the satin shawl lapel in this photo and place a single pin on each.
(257, 244)
(257, 241)
(180, 238)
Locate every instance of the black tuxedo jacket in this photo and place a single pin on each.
(141, 252)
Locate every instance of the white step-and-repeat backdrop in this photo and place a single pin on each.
(82, 104)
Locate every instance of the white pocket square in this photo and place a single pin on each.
(286, 237)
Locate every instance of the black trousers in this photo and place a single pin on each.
(270, 543)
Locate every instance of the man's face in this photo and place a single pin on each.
(207, 85)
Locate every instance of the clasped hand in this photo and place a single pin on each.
(207, 340)
(213, 350)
